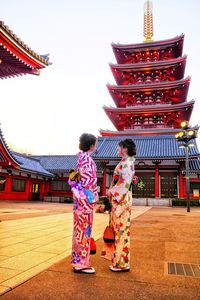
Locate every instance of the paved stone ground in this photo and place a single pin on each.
(158, 236)
(13, 210)
(31, 245)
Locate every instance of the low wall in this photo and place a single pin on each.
(152, 202)
(52, 199)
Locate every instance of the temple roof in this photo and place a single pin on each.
(172, 91)
(155, 64)
(194, 166)
(30, 164)
(177, 39)
(173, 115)
(16, 58)
(151, 86)
(122, 50)
(128, 73)
(55, 163)
(140, 132)
(149, 109)
(164, 147)
(60, 163)
(6, 156)
(22, 162)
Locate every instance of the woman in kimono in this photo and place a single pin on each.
(83, 210)
(121, 199)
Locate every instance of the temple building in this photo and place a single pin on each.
(21, 177)
(150, 102)
(150, 98)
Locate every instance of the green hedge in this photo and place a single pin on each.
(182, 202)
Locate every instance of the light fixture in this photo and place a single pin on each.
(190, 132)
(184, 124)
(179, 135)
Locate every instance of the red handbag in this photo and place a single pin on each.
(109, 234)
(93, 248)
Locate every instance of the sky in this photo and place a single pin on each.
(46, 114)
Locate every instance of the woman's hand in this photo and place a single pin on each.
(109, 194)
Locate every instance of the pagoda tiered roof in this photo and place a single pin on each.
(158, 50)
(149, 116)
(16, 58)
(162, 92)
(149, 71)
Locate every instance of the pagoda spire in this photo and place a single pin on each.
(148, 21)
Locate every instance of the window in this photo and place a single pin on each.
(18, 185)
(60, 186)
(2, 183)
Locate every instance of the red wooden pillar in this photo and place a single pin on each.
(104, 181)
(8, 184)
(157, 182)
(181, 184)
(8, 187)
(42, 190)
(28, 188)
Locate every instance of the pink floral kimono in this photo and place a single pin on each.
(121, 212)
(83, 212)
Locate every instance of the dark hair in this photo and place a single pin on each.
(86, 140)
(130, 145)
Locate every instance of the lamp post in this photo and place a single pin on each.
(185, 136)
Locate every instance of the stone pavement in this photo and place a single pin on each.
(28, 246)
(158, 236)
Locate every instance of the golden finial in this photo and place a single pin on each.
(148, 21)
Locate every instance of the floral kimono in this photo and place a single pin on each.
(83, 212)
(121, 211)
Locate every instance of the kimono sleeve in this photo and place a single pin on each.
(88, 176)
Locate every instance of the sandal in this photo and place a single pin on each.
(87, 270)
(115, 269)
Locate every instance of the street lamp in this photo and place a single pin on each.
(186, 135)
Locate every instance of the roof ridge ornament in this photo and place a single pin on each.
(148, 21)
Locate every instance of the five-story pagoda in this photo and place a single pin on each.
(151, 102)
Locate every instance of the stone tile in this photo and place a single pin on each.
(44, 240)
(4, 289)
(11, 241)
(24, 276)
(16, 249)
(26, 260)
(3, 257)
(7, 273)
(57, 247)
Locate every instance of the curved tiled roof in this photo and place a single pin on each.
(57, 162)
(150, 44)
(194, 165)
(6, 148)
(44, 59)
(61, 163)
(148, 147)
(29, 164)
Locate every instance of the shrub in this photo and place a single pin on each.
(182, 202)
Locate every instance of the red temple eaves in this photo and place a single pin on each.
(16, 58)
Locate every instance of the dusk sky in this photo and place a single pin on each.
(46, 114)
